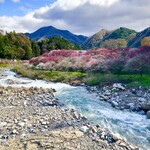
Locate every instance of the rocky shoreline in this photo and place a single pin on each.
(32, 119)
(124, 98)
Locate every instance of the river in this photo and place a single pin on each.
(133, 126)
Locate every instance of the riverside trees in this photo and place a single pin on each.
(17, 46)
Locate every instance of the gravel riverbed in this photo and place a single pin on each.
(33, 119)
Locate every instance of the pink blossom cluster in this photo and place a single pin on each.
(72, 59)
(96, 59)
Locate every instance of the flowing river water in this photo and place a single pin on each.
(133, 126)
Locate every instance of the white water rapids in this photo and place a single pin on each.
(133, 126)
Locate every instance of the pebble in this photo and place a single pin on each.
(114, 104)
(3, 124)
(84, 129)
(21, 124)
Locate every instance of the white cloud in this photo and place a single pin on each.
(83, 16)
(69, 5)
(2, 1)
(89, 16)
(15, 1)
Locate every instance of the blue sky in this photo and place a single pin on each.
(20, 8)
(84, 17)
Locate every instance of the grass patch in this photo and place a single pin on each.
(55, 76)
(79, 77)
(129, 79)
(4, 65)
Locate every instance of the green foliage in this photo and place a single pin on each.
(35, 49)
(114, 44)
(17, 46)
(56, 43)
(28, 52)
(100, 79)
(1, 42)
(121, 33)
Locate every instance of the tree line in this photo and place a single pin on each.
(18, 46)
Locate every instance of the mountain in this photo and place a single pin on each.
(136, 41)
(50, 31)
(95, 39)
(106, 38)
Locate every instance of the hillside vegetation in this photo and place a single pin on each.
(56, 43)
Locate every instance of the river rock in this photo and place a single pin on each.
(103, 97)
(148, 114)
(114, 104)
(84, 129)
(118, 86)
(21, 124)
(94, 129)
(14, 131)
(75, 115)
(78, 133)
(1, 91)
(2, 124)
(145, 106)
(116, 137)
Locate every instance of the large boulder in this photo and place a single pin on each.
(145, 106)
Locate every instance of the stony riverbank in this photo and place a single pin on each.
(122, 97)
(31, 118)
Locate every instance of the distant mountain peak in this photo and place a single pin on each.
(103, 35)
(50, 31)
(93, 41)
